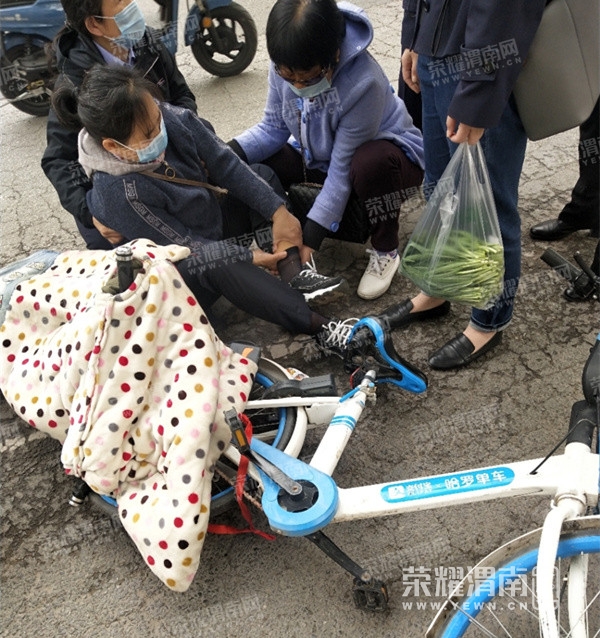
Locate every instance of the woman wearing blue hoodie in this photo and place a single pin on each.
(332, 117)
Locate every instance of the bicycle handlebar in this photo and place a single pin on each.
(582, 424)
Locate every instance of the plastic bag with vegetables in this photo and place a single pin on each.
(455, 251)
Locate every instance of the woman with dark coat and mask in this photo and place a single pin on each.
(150, 163)
(111, 32)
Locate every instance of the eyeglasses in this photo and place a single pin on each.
(308, 82)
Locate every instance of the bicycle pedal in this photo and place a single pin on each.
(371, 595)
(238, 433)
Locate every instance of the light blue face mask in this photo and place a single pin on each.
(312, 91)
(156, 147)
(131, 24)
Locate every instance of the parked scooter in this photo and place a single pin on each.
(221, 34)
(26, 76)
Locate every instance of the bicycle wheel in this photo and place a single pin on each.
(274, 426)
(500, 598)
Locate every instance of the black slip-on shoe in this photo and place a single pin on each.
(459, 352)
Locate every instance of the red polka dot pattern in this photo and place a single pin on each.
(134, 386)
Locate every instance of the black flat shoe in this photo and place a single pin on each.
(458, 352)
(401, 315)
(555, 229)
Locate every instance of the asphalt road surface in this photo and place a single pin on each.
(68, 572)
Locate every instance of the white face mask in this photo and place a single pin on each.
(312, 91)
(131, 23)
(155, 149)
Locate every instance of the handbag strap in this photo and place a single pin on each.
(169, 176)
(302, 146)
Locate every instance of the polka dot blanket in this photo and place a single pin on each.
(134, 386)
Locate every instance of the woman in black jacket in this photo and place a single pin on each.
(92, 36)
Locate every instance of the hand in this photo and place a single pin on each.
(464, 132)
(109, 234)
(287, 231)
(409, 70)
(267, 260)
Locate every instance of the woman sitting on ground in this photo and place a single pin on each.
(155, 168)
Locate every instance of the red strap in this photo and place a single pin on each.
(240, 481)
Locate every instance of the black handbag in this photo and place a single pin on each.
(354, 225)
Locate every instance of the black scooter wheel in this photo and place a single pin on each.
(12, 84)
(229, 45)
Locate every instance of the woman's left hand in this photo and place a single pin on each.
(458, 132)
(287, 231)
(267, 260)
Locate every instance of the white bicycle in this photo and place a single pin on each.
(559, 563)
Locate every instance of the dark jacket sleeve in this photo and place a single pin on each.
(497, 38)
(61, 166)
(409, 23)
(143, 217)
(227, 170)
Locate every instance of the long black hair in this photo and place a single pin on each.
(109, 103)
(302, 34)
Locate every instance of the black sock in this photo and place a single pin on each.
(290, 266)
(317, 322)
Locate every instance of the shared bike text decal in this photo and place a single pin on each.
(447, 484)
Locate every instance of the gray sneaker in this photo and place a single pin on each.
(312, 285)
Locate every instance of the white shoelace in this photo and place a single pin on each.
(339, 331)
(377, 262)
(309, 267)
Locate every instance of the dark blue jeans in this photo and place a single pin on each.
(504, 150)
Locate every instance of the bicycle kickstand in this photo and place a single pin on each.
(369, 593)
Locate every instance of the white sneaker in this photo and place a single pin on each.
(378, 275)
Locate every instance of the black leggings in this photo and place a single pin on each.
(245, 285)
(251, 289)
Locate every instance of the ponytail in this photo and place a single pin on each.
(108, 104)
(65, 104)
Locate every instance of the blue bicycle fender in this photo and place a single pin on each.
(410, 381)
(296, 523)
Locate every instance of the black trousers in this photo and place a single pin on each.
(251, 289)
(244, 285)
(583, 211)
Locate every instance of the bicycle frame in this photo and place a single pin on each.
(572, 479)
(578, 464)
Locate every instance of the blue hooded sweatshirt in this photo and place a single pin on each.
(359, 107)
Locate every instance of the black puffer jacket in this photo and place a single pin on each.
(75, 54)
